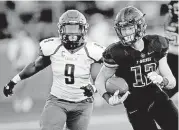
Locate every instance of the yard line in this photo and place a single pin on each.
(95, 120)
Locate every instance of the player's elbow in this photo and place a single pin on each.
(172, 82)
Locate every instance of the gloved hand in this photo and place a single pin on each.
(155, 77)
(8, 88)
(116, 99)
(89, 90)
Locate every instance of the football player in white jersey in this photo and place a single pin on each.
(70, 57)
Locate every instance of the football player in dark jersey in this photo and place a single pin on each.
(171, 32)
(141, 60)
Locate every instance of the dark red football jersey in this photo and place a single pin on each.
(134, 65)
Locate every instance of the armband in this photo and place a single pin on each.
(16, 79)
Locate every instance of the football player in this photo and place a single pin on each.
(141, 60)
(171, 32)
(70, 57)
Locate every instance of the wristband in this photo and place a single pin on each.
(16, 79)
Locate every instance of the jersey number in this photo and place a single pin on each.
(69, 72)
(138, 74)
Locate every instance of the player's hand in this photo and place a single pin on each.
(8, 89)
(89, 90)
(155, 78)
(116, 99)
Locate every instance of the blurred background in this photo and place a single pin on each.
(23, 24)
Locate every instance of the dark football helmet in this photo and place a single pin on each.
(130, 25)
(173, 8)
(72, 28)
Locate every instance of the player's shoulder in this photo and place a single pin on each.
(157, 42)
(112, 52)
(51, 40)
(94, 45)
(48, 46)
(94, 50)
(113, 49)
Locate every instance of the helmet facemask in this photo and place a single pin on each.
(72, 34)
(130, 31)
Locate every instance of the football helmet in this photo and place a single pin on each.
(130, 25)
(173, 8)
(72, 28)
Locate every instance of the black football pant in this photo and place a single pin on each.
(164, 113)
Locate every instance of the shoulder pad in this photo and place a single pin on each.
(114, 49)
(95, 50)
(158, 43)
(108, 56)
(49, 46)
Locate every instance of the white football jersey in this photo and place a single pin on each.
(70, 71)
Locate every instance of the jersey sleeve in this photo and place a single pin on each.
(164, 46)
(160, 45)
(49, 46)
(108, 59)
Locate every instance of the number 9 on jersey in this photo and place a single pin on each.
(69, 73)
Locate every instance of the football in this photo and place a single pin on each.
(116, 83)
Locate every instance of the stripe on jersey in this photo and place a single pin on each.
(110, 65)
(87, 53)
(57, 49)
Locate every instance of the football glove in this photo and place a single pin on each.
(89, 90)
(155, 78)
(116, 99)
(8, 88)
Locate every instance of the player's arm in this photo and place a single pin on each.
(173, 49)
(107, 71)
(166, 78)
(168, 81)
(40, 63)
(100, 82)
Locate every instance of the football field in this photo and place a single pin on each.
(103, 118)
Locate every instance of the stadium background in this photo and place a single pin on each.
(39, 19)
